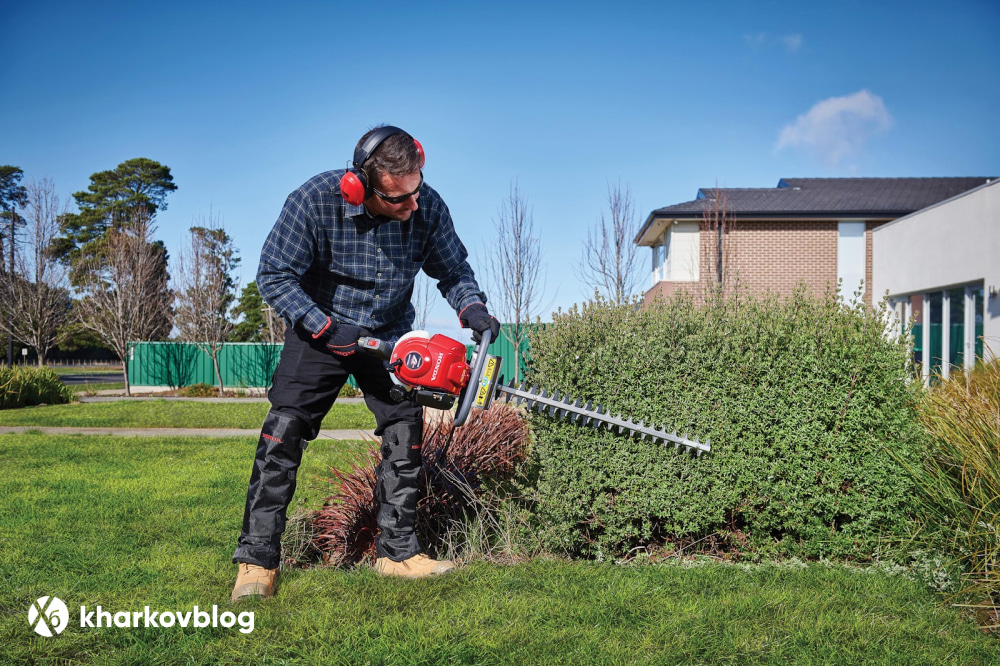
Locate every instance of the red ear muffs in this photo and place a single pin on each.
(420, 149)
(352, 188)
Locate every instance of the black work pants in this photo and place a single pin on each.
(306, 383)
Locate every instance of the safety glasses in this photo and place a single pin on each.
(402, 197)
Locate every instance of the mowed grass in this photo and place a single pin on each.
(173, 414)
(84, 369)
(132, 522)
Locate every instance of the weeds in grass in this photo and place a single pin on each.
(463, 470)
(298, 543)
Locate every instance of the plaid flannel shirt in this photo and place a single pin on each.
(325, 257)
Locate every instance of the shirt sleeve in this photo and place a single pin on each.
(447, 262)
(287, 255)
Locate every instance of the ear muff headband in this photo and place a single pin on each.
(355, 187)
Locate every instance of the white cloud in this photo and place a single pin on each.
(762, 40)
(837, 127)
(792, 42)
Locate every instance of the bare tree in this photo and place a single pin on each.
(120, 287)
(35, 294)
(513, 267)
(206, 290)
(422, 300)
(609, 263)
(274, 326)
(717, 225)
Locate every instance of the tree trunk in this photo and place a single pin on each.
(128, 386)
(218, 372)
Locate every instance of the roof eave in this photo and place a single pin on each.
(651, 232)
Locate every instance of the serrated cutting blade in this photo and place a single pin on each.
(585, 415)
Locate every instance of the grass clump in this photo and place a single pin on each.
(22, 386)
(461, 469)
(959, 481)
(201, 390)
(800, 396)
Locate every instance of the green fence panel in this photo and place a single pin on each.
(504, 348)
(252, 364)
(177, 364)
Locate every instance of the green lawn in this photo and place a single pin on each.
(84, 369)
(130, 522)
(94, 387)
(173, 414)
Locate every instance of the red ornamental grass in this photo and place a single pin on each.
(456, 462)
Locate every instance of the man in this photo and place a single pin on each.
(340, 264)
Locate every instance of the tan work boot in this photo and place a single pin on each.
(418, 566)
(253, 581)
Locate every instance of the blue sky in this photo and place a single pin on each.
(245, 101)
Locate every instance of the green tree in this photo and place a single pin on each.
(136, 189)
(259, 322)
(13, 195)
(136, 186)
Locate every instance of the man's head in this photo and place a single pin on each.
(398, 154)
(395, 197)
(392, 170)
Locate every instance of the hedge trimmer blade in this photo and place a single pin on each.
(564, 407)
(432, 370)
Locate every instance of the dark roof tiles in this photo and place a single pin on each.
(830, 196)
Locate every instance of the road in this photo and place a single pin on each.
(102, 378)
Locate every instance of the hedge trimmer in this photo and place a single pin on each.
(433, 371)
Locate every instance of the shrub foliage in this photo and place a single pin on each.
(800, 396)
(23, 387)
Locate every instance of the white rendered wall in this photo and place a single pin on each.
(953, 243)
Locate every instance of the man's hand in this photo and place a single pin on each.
(340, 339)
(479, 319)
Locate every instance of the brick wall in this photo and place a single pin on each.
(774, 255)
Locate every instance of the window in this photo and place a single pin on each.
(851, 258)
(947, 329)
(676, 255)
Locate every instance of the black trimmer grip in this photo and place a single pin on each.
(376, 347)
(468, 395)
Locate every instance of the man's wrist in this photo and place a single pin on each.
(317, 322)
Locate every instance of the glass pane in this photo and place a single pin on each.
(977, 295)
(934, 302)
(956, 328)
(916, 308)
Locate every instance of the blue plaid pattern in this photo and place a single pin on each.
(326, 257)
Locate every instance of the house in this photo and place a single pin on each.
(817, 231)
(941, 269)
(805, 230)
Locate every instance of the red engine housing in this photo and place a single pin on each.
(436, 363)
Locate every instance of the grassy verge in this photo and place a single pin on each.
(94, 387)
(173, 414)
(130, 522)
(84, 369)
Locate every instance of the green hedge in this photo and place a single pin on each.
(22, 387)
(801, 397)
